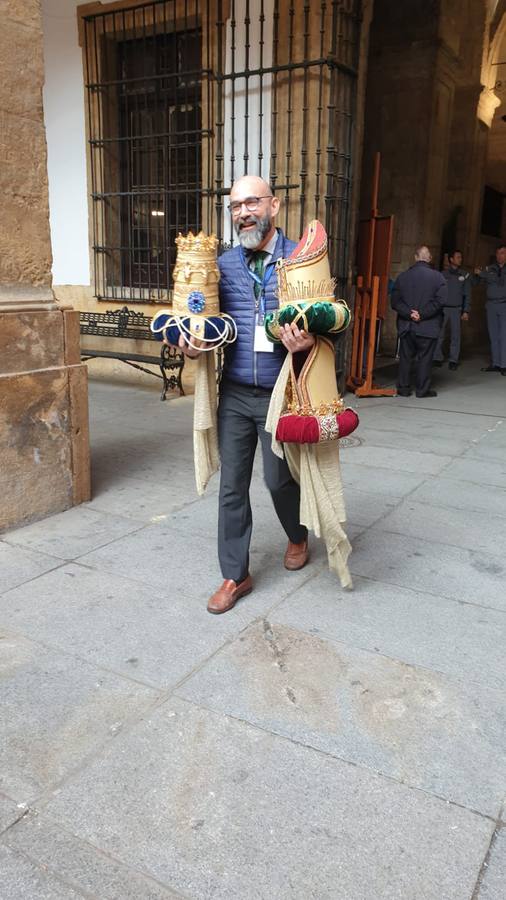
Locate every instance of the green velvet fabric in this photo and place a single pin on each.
(322, 318)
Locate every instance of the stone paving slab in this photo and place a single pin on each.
(140, 631)
(491, 472)
(408, 723)
(470, 393)
(213, 807)
(388, 484)
(363, 508)
(485, 452)
(493, 883)
(144, 501)
(155, 554)
(55, 711)
(72, 533)
(462, 640)
(443, 442)
(201, 518)
(19, 565)
(22, 880)
(447, 525)
(418, 462)
(84, 867)
(440, 491)
(146, 457)
(140, 430)
(439, 569)
(399, 415)
(10, 812)
(491, 444)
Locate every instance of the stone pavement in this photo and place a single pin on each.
(311, 743)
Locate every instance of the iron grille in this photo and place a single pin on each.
(186, 95)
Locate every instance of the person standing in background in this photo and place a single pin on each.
(494, 277)
(456, 310)
(418, 296)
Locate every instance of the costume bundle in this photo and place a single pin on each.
(306, 415)
(196, 303)
(196, 315)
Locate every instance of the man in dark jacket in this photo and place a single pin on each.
(418, 296)
(494, 277)
(456, 309)
(252, 364)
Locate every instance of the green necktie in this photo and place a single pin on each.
(258, 259)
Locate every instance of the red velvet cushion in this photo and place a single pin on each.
(298, 430)
(306, 429)
(347, 422)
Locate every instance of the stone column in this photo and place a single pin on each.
(44, 446)
(409, 101)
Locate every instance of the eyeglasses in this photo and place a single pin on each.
(251, 204)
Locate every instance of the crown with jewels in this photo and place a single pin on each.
(305, 276)
(196, 276)
(197, 243)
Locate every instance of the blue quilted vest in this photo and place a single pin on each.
(237, 298)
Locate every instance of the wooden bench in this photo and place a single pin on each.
(128, 325)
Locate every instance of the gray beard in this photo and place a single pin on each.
(251, 239)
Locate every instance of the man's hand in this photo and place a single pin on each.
(477, 271)
(183, 346)
(465, 317)
(415, 315)
(295, 340)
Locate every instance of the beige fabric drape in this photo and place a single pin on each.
(205, 421)
(316, 469)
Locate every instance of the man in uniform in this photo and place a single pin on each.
(494, 277)
(418, 296)
(252, 364)
(456, 309)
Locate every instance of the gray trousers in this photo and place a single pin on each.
(496, 321)
(452, 315)
(419, 350)
(241, 422)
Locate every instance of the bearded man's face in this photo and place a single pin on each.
(251, 229)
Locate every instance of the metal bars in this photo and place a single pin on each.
(184, 96)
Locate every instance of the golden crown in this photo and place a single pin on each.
(196, 276)
(198, 243)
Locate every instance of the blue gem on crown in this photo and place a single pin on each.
(196, 302)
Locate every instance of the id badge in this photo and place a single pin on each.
(262, 344)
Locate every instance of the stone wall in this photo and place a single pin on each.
(44, 441)
(44, 445)
(25, 251)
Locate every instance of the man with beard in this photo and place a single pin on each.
(251, 366)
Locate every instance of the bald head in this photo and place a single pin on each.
(253, 208)
(423, 254)
(250, 186)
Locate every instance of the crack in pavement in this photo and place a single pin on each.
(278, 654)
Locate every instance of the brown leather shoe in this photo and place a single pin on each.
(296, 555)
(228, 594)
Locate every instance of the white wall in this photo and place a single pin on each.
(66, 143)
(238, 97)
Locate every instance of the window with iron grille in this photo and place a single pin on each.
(184, 96)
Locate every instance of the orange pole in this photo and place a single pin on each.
(368, 388)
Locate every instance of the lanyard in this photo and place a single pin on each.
(259, 301)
